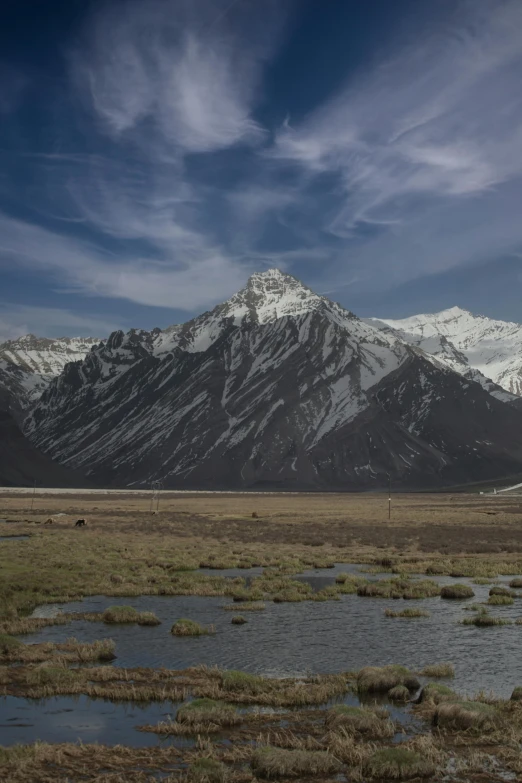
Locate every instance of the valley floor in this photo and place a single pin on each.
(309, 584)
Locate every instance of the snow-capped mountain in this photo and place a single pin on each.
(29, 363)
(277, 387)
(478, 347)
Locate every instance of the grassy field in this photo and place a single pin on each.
(125, 550)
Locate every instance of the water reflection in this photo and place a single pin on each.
(296, 639)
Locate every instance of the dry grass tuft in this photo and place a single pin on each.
(127, 614)
(398, 764)
(375, 679)
(436, 693)
(467, 716)
(407, 613)
(438, 670)
(273, 763)
(500, 600)
(185, 627)
(247, 606)
(365, 721)
(207, 770)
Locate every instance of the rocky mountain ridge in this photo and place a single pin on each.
(277, 387)
(480, 348)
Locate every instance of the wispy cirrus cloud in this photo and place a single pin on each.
(436, 122)
(187, 72)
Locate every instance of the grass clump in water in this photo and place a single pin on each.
(57, 676)
(498, 590)
(371, 723)
(273, 763)
(408, 613)
(238, 619)
(438, 670)
(116, 615)
(398, 764)
(242, 682)
(467, 716)
(401, 587)
(516, 582)
(500, 600)
(247, 606)
(456, 591)
(436, 693)
(381, 679)
(400, 693)
(517, 694)
(207, 712)
(485, 620)
(186, 627)
(206, 770)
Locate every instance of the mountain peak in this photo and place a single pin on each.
(269, 295)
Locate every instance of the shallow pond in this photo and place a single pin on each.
(293, 639)
(289, 639)
(78, 718)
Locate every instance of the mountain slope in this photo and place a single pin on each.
(467, 343)
(29, 363)
(278, 387)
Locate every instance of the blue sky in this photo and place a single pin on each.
(154, 153)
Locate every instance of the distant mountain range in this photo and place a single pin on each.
(278, 387)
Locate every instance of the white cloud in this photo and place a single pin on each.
(18, 320)
(178, 69)
(441, 117)
(83, 267)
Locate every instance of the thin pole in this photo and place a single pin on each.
(389, 496)
(34, 493)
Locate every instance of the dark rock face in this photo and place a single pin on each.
(276, 388)
(21, 464)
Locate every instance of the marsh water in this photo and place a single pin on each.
(288, 639)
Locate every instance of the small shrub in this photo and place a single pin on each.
(467, 716)
(185, 627)
(438, 670)
(456, 591)
(272, 763)
(238, 620)
(408, 613)
(398, 764)
(375, 679)
(207, 770)
(372, 723)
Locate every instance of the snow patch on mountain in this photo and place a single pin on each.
(485, 350)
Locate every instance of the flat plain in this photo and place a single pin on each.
(326, 727)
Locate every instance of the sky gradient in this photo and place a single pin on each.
(154, 154)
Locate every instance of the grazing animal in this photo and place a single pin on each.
(49, 521)
(79, 523)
